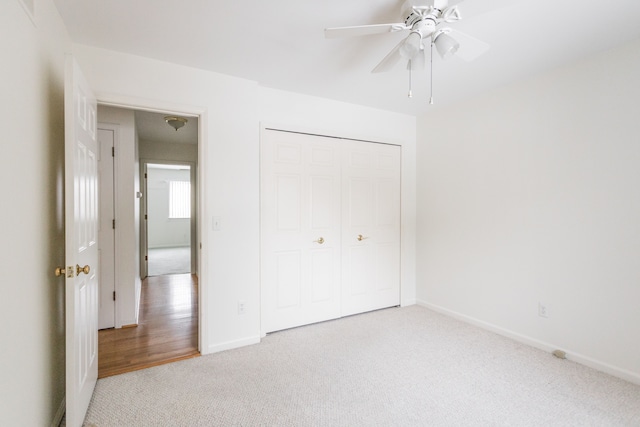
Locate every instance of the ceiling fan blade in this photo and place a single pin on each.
(363, 30)
(470, 47)
(474, 9)
(409, 4)
(452, 3)
(390, 60)
(438, 4)
(442, 4)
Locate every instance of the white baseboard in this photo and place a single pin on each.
(408, 302)
(576, 357)
(229, 345)
(57, 419)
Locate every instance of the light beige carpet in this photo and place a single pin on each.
(169, 261)
(396, 367)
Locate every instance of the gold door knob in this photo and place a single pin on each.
(84, 269)
(320, 240)
(60, 271)
(361, 237)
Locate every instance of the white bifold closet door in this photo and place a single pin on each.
(300, 217)
(330, 221)
(370, 226)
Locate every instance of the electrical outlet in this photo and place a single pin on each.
(241, 307)
(543, 310)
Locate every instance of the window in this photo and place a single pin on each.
(179, 199)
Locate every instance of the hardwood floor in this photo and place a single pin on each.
(168, 329)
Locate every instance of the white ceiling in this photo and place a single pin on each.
(153, 128)
(281, 43)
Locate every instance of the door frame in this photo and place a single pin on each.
(202, 243)
(193, 221)
(116, 138)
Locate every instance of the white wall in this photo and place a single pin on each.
(127, 209)
(229, 176)
(229, 166)
(153, 150)
(165, 232)
(32, 372)
(532, 194)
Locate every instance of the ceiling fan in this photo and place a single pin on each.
(425, 24)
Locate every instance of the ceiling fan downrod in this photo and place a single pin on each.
(410, 94)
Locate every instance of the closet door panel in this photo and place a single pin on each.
(370, 227)
(287, 279)
(320, 276)
(300, 230)
(288, 201)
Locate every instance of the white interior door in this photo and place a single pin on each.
(81, 244)
(106, 230)
(370, 227)
(300, 229)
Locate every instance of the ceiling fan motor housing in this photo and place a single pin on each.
(415, 14)
(425, 27)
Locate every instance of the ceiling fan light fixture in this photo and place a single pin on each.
(446, 45)
(175, 121)
(411, 46)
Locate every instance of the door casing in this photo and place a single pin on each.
(201, 238)
(107, 177)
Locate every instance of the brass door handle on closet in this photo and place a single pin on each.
(320, 240)
(84, 269)
(361, 237)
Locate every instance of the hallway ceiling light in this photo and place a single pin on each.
(175, 121)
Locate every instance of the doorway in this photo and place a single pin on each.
(168, 219)
(156, 318)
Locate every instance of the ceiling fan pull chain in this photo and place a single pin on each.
(431, 75)
(410, 67)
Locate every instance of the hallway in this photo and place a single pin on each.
(167, 332)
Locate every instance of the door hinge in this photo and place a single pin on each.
(114, 295)
(113, 224)
(145, 216)
(146, 257)
(113, 151)
(145, 175)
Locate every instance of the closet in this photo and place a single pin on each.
(330, 228)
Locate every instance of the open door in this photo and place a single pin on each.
(81, 244)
